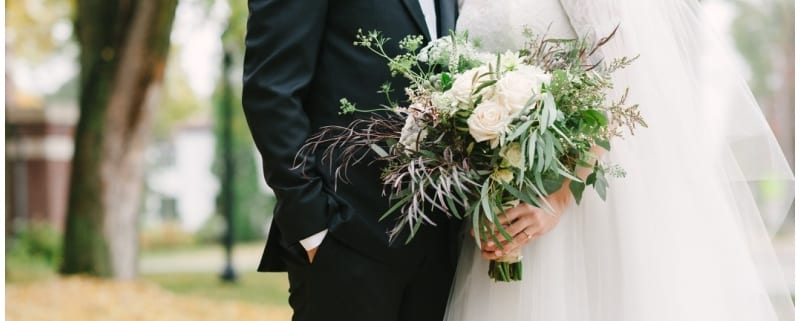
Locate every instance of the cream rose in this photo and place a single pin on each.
(512, 154)
(488, 122)
(515, 89)
(466, 83)
(535, 72)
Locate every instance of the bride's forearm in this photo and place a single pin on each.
(583, 172)
(563, 195)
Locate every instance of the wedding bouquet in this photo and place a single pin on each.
(482, 131)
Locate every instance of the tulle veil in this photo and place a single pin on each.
(687, 234)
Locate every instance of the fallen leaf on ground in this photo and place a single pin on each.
(88, 299)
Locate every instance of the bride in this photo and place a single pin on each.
(682, 237)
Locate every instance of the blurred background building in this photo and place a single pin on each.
(181, 188)
(38, 155)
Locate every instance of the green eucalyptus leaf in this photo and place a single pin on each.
(414, 231)
(562, 170)
(453, 208)
(378, 150)
(561, 133)
(531, 151)
(583, 163)
(518, 194)
(552, 183)
(484, 85)
(549, 112)
(476, 226)
(605, 144)
(600, 185)
(591, 178)
(427, 153)
(503, 232)
(520, 130)
(395, 206)
(540, 158)
(487, 208)
(577, 189)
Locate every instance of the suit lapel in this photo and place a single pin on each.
(415, 11)
(447, 12)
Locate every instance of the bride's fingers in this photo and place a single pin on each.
(489, 255)
(513, 213)
(520, 239)
(489, 246)
(518, 226)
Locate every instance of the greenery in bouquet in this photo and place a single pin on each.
(483, 131)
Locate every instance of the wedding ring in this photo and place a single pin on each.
(526, 234)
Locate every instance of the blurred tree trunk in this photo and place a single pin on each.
(124, 46)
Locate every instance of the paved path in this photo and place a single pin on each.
(207, 259)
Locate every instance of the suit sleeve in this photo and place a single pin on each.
(282, 45)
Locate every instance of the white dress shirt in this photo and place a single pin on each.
(429, 10)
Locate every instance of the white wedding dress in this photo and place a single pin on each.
(681, 237)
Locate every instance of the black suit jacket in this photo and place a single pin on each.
(299, 62)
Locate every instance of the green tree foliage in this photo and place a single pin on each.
(764, 34)
(36, 28)
(251, 206)
(179, 103)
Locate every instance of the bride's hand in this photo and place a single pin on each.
(526, 222)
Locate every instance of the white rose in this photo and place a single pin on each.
(488, 122)
(535, 72)
(512, 154)
(465, 84)
(516, 88)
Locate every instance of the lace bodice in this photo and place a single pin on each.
(499, 24)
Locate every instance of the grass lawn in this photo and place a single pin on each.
(263, 289)
(268, 289)
(25, 270)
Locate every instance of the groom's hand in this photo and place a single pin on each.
(312, 243)
(311, 254)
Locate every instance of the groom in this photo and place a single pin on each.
(300, 61)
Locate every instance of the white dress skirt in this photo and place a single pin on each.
(682, 237)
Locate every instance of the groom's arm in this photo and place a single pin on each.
(282, 44)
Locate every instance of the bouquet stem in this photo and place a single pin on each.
(505, 271)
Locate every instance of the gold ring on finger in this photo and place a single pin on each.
(526, 234)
